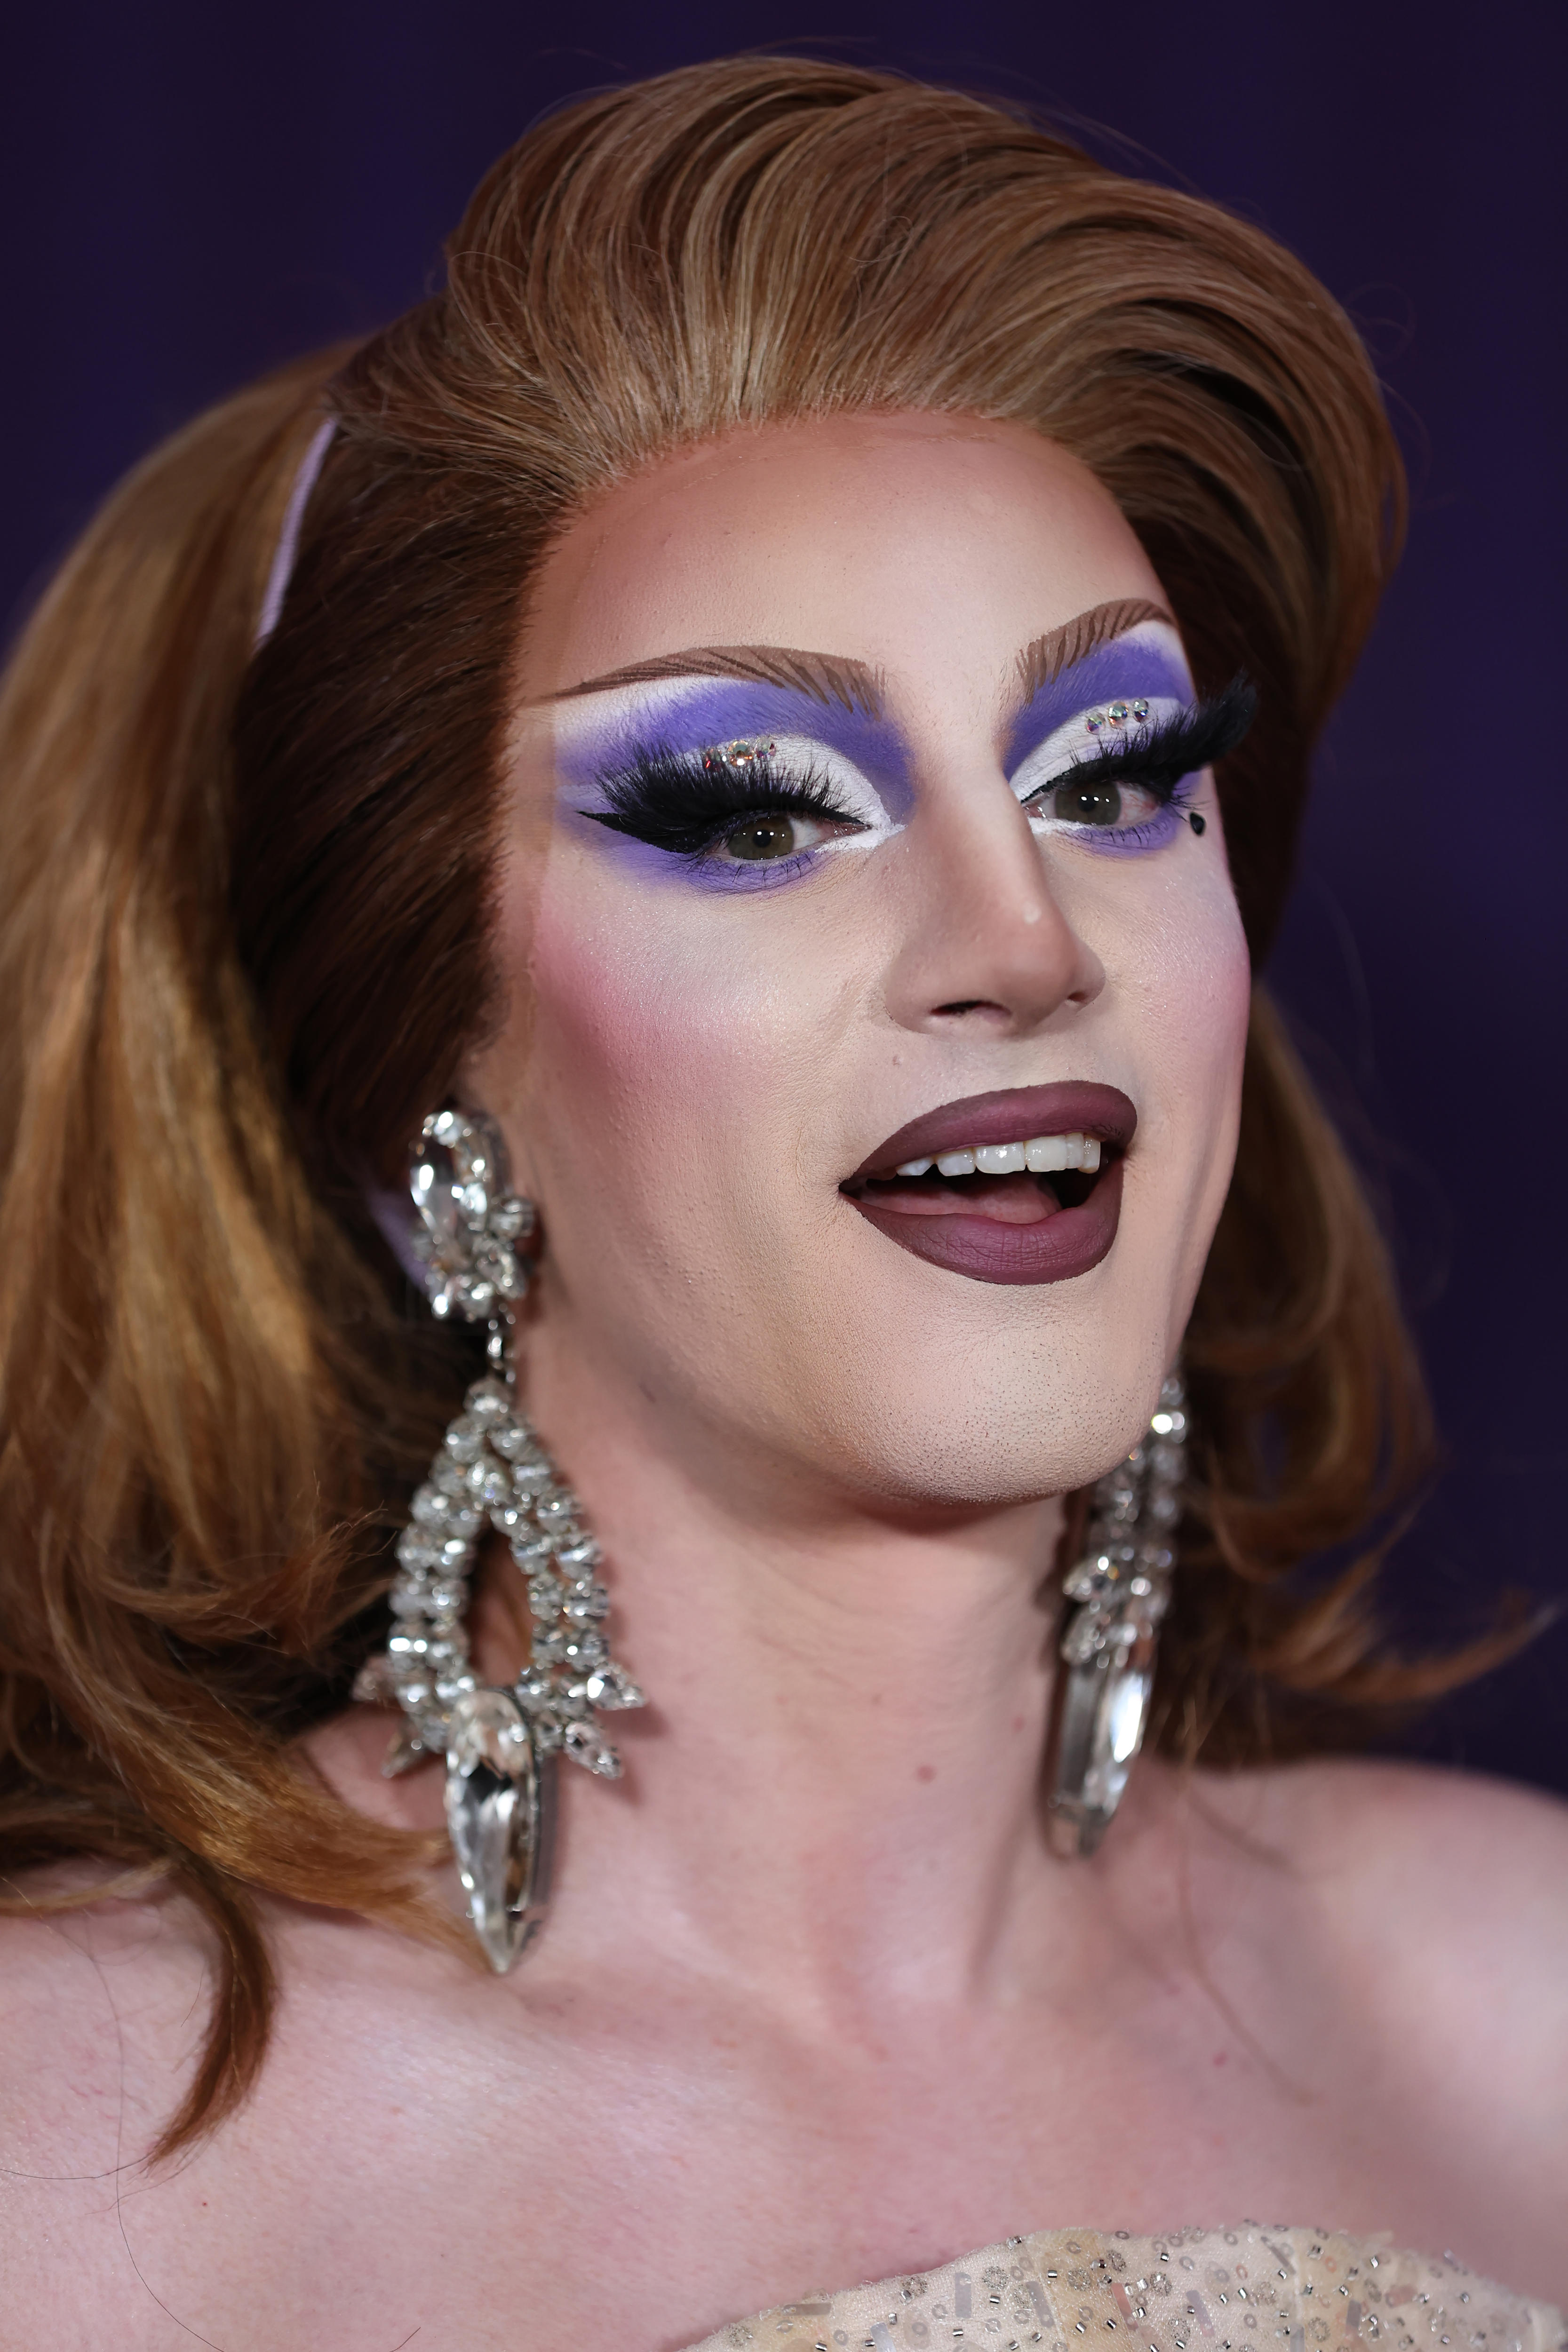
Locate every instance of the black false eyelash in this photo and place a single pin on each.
(1160, 755)
(677, 801)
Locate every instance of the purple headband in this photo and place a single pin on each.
(394, 1216)
(288, 545)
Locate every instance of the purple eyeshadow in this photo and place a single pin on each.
(1114, 673)
(724, 711)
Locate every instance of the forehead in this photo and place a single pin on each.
(918, 545)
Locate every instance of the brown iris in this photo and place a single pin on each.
(760, 837)
(1087, 803)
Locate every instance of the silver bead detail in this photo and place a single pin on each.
(485, 1473)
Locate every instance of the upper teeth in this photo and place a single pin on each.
(1043, 1155)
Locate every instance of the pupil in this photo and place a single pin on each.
(761, 836)
(1088, 804)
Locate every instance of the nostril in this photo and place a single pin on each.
(972, 1004)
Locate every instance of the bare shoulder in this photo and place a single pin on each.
(1463, 1861)
(1435, 1903)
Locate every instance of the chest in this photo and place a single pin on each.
(578, 2181)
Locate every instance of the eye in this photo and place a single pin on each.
(772, 834)
(1132, 788)
(744, 810)
(1087, 803)
(1104, 770)
(1099, 800)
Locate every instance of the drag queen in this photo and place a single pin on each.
(676, 1336)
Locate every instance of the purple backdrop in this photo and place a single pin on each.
(195, 193)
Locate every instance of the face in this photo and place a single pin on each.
(878, 1000)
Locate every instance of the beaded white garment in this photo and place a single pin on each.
(1229, 2290)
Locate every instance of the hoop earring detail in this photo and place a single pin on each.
(499, 1744)
(1122, 1587)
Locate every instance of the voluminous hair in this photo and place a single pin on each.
(245, 913)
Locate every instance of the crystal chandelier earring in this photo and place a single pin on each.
(1122, 1588)
(499, 1744)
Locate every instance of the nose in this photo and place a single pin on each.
(984, 944)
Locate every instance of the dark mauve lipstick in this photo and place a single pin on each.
(1059, 1243)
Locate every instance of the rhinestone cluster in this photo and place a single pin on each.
(1122, 1584)
(1116, 714)
(742, 753)
(492, 1469)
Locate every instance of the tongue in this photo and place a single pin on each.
(1003, 1199)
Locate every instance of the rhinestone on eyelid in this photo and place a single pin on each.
(742, 753)
(1095, 721)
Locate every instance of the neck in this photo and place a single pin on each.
(835, 1783)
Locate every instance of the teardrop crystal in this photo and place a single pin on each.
(492, 1815)
(610, 1685)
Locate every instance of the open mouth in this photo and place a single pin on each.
(1019, 1186)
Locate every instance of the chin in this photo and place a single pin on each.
(980, 1442)
(937, 1388)
(975, 1402)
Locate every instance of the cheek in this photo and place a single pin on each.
(1189, 976)
(1174, 1016)
(1196, 979)
(621, 1067)
(668, 1072)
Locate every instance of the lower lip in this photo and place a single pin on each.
(1052, 1250)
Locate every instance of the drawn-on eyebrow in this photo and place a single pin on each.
(1041, 664)
(830, 677)
(825, 678)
